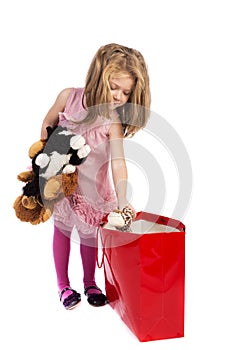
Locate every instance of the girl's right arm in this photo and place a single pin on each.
(51, 118)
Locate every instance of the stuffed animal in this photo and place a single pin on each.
(121, 219)
(53, 174)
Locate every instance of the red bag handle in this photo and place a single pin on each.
(159, 219)
(162, 220)
(99, 264)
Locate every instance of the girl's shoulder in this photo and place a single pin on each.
(64, 94)
(74, 99)
(67, 93)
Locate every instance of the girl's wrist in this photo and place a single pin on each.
(125, 204)
(122, 203)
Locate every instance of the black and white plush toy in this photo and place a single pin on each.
(63, 151)
(53, 174)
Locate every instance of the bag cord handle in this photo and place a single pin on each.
(99, 264)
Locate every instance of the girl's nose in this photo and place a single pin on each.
(117, 96)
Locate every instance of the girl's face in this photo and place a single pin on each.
(121, 88)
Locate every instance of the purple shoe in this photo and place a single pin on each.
(72, 300)
(95, 299)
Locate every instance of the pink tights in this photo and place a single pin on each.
(61, 254)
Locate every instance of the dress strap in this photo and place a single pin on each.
(70, 100)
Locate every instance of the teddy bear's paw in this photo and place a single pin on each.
(35, 221)
(43, 216)
(29, 202)
(26, 176)
(47, 214)
(27, 215)
(35, 148)
(52, 188)
(84, 151)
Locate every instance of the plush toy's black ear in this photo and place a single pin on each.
(50, 130)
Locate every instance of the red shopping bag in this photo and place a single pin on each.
(144, 275)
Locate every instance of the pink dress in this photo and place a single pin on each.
(95, 195)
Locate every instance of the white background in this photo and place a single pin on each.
(47, 46)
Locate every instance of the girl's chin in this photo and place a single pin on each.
(116, 105)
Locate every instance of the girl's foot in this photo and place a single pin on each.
(69, 298)
(95, 297)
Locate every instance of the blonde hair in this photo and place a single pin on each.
(116, 60)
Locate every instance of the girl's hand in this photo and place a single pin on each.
(124, 203)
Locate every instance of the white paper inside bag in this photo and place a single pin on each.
(144, 226)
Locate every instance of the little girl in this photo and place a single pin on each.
(114, 104)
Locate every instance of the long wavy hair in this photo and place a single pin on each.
(117, 60)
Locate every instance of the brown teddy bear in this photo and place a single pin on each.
(53, 175)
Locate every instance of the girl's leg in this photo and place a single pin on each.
(61, 254)
(88, 250)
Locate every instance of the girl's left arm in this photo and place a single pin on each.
(118, 164)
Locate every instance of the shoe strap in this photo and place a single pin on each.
(64, 290)
(91, 287)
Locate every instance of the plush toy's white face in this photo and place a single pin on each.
(55, 164)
